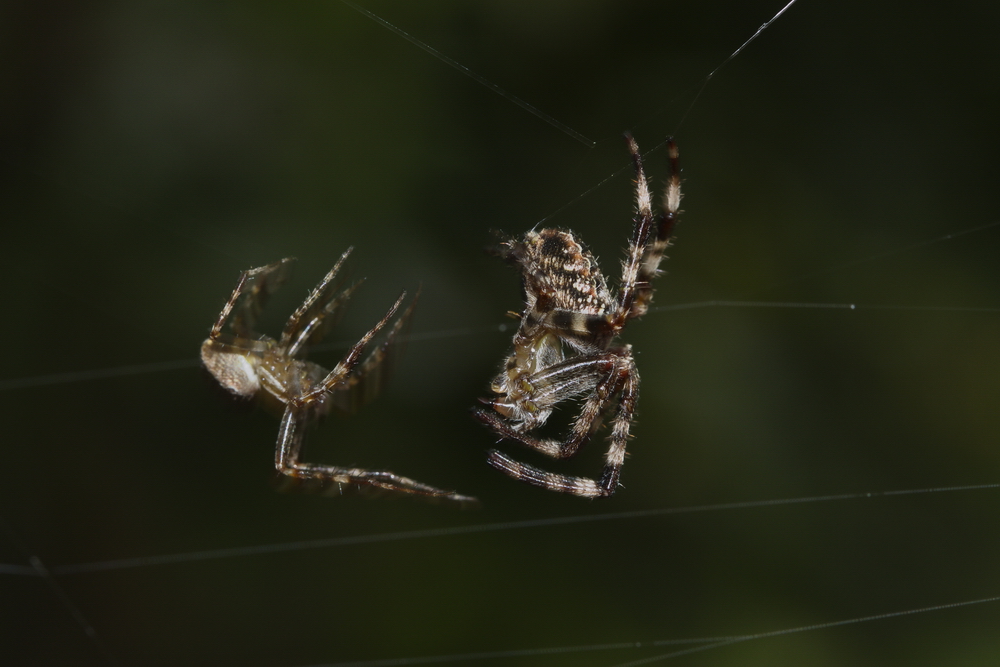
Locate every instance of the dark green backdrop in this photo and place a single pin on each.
(151, 151)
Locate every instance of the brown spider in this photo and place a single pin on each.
(564, 347)
(245, 363)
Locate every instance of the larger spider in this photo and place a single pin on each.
(249, 364)
(565, 345)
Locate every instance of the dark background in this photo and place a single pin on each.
(152, 150)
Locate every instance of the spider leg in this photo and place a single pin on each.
(309, 321)
(577, 486)
(290, 438)
(364, 384)
(601, 373)
(640, 235)
(254, 286)
(615, 457)
(646, 253)
(343, 368)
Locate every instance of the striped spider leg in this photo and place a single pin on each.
(565, 348)
(248, 364)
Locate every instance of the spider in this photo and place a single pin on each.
(565, 345)
(248, 364)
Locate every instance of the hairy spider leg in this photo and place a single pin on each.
(244, 284)
(561, 382)
(254, 286)
(290, 437)
(626, 381)
(640, 268)
(297, 414)
(640, 235)
(363, 385)
(344, 367)
(311, 320)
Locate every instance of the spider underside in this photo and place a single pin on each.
(248, 364)
(565, 346)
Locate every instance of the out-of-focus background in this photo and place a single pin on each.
(152, 150)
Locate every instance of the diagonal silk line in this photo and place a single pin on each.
(234, 552)
(472, 75)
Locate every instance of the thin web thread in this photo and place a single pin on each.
(735, 53)
(893, 251)
(515, 653)
(454, 531)
(806, 628)
(178, 364)
(474, 76)
(694, 101)
(37, 568)
(706, 643)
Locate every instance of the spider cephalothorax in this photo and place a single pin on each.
(565, 345)
(248, 364)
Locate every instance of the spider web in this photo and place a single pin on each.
(157, 151)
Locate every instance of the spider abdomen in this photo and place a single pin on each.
(233, 370)
(560, 273)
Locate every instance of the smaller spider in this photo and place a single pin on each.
(565, 347)
(248, 364)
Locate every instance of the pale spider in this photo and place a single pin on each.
(565, 345)
(249, 364)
